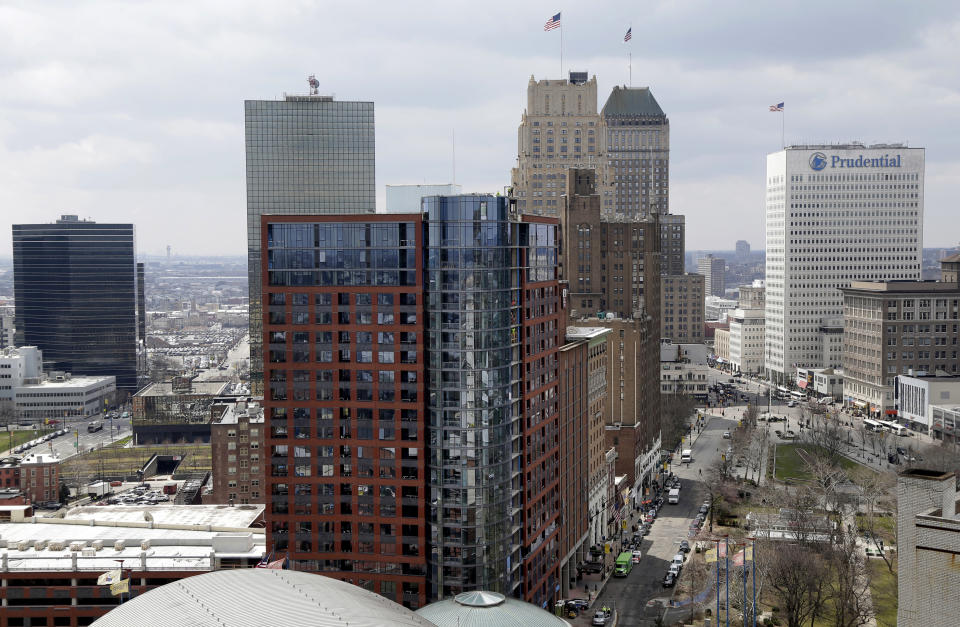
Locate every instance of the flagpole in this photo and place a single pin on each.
(726, 572)
(753, 565)
(561, 45)
(718, 582)
(743, 614)
(783, 116)
(631, 69)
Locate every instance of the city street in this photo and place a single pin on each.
(64, 446)
(631, 595)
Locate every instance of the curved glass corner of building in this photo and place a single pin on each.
(471, 316)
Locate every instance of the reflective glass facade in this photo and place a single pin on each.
(305, 155)
(472, 313)
(411, 376)
(75, 285)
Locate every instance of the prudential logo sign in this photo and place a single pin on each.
(818, 161)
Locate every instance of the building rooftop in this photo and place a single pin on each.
(849, 146)
(900, 287)
(68, 382)
(624, 101)
(53, 544)
(198, 388)
(40, 458)
(585, 333)
(257, 596)
(215, 517)
(235, 411)
(939, 376)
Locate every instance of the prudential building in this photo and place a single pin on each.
(834, 214)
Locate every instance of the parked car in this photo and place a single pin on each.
(726, 435)
(601, 617)
(684, 546)
(669, 580)
(636, 556)
(580, 604)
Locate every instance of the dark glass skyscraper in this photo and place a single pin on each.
(75, 285)
(306, 155)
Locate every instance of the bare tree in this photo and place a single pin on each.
(878, 500)
(825, 434)
(796, 576)
(675, 413)
(717, 483)
(849, 584)
(8, 416)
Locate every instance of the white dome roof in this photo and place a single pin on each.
(488, 609)
(253, 597)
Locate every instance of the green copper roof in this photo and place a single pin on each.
(631, 101)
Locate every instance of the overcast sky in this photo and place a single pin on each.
(133, 111)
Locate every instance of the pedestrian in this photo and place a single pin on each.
(701, 472)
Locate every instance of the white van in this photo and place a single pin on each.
(673, 497)
(686, 456)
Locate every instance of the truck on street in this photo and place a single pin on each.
(624, 564)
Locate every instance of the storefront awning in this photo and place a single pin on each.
(862, 404)
(891, 412)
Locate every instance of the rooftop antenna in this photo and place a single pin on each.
(454, 151)
(314, 84)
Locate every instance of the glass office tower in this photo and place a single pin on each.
(75, 286)
(471, 330)
(306, 155)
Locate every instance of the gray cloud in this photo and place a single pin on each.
(133, 111)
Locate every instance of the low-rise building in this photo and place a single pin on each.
(49, 566)
(684, 378)
(717, 307)
(828, 383)
(10, 472)
(721, 345)
(40, 477)
(236, 438)
(746, 339)
(16, 366)
(916, 396)
(928, 543)
(946, 423)
(36, 396)
(63, 396)
(179, 410)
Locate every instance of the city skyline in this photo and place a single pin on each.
(99, 134)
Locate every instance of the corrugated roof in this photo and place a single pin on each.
(631, 101)
(256, 597)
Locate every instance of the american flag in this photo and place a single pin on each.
(553, 22)
(629, 34)
(777, 107)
